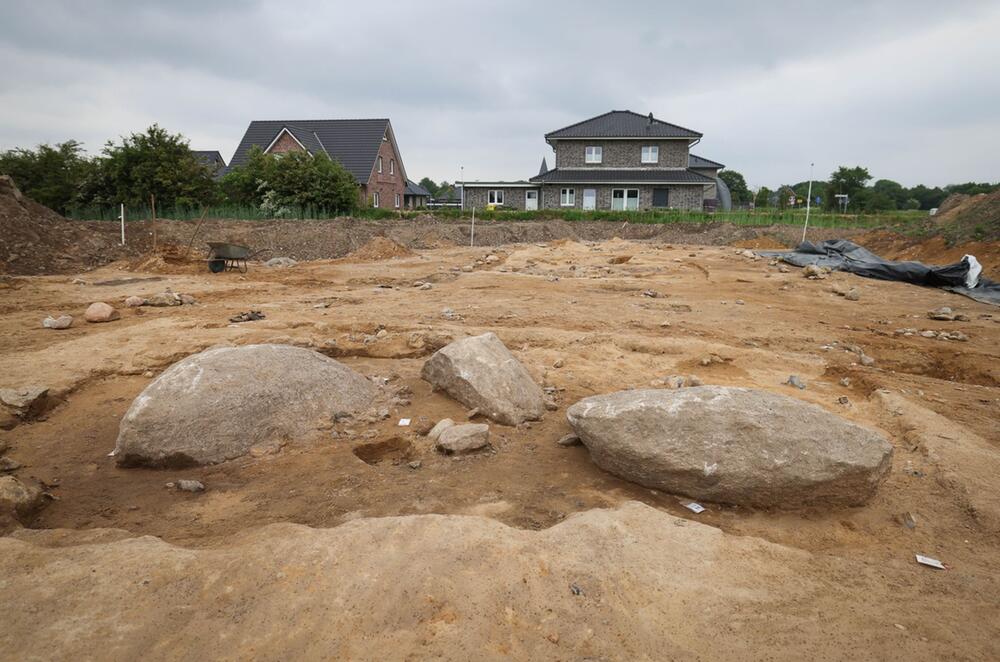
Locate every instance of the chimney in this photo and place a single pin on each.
(650, 119)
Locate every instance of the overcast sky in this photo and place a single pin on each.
(910, 89)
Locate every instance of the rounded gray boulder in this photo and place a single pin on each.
(217, 405)
(732, 445)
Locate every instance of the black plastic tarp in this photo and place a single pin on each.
(842, 255)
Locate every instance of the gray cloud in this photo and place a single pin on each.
(908, 88)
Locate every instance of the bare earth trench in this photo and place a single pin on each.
(528, 551)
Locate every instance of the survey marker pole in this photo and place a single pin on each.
(809, 197)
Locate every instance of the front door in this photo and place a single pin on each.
(589, 199)
(531, 200)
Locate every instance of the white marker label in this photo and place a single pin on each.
(934, 563)
(694, 507)
(403, 422)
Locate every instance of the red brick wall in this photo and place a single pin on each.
(286, 143)
(388, 185)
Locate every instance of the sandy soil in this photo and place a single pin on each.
(937, 401)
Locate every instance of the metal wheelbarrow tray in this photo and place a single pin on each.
(223, 256)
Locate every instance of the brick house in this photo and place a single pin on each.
(616, 161)
(366, 148)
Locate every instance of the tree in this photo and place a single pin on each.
(431, 187)
(446, 190)
(847, 181)
(894, 191)
(927, 197)
(737, 187)
(52, 175)
(818, 190)
(763, 198)
(282, 183)
(154, 163)
(872, 200)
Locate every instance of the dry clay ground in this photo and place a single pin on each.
(562, 560)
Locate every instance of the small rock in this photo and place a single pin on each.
(163, 299)
(944, 313)
(796, 381)
(9, 464)
(19, 499)
(675, 381)
(280, 262)
(134, 301)
(569, 440)
(652, 294)
(845, 382)
(101, 312)
(472, 413)
(425, 286)
(867, 360)
(450, 314)
(382, 333)
(416, 464)
(61, 322)
(853, 294)
(467, 268)
(619, 259)
(558, 364)
(190, 485)
(664, 324)
(188, 300)
(464, 438)
(440, 427)
(492, 259)
(928, 334)
(694, 381)
(843, 400)
(739, 302)
(815, 272)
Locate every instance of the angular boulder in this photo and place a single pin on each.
(217, 405)
(480, 372)
(19, 501)
(732, 445)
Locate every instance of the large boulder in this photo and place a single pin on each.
(217, 405)
(481, 372)
(732, 445)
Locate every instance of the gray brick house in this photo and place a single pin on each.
(616, 161)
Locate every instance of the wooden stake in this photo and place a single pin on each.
(201, 220)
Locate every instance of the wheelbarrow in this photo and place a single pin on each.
(223, 256)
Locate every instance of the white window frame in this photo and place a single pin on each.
(397, 201)
(625, 198)
(654, 152)
(392, 166)
(380, 165)
(593, 154)
(567, 197)
(375, 199)
(494, 196)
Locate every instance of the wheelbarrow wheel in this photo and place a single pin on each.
(217, 265)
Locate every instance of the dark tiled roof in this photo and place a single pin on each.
(209, 157)
(695, 161)
(354, 143)
(412, 188)
(622, 124)
(609, 176)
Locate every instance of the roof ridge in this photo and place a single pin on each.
(655, 119)
(589, 119)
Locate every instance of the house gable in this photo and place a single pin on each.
(285, 142)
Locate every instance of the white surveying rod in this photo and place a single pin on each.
(472, 240)
(809, 196)
(122, 217)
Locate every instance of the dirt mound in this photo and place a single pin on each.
(170, 259)
(934, 251)
(970, 217)
(765, 242)
(36, 240)
(380, 248)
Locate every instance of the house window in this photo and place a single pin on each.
(380, 165)
(375, 199)
(397, 201)
(625, 199)
(392, 168)
(567, 197)
(494, 197)
(593, 154)
(650, 154)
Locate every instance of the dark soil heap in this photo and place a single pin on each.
(36, 240)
